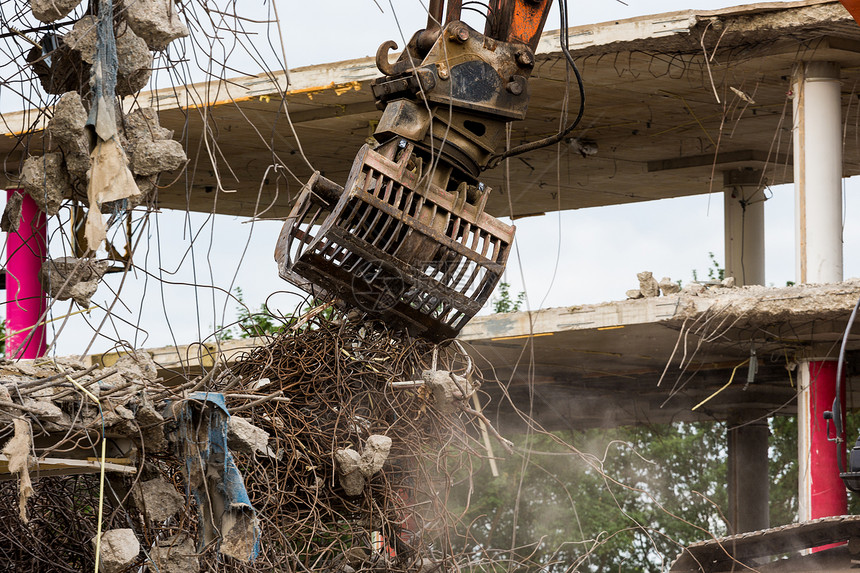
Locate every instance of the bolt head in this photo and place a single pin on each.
(525, 59)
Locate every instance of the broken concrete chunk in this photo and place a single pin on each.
(633, 293)
(135, 61)
(70, 278)
(175, 555)
(45, 180)
(12, 213)
(82, 38)
(142, 125)
(118, 550)
(243, 436)
(47, 411)
(728, 282)
(447, 388)
(667, 286)
(351, 479)
(156, 21)
(375, 453)
(154, 157)
(67, 124)
(648, 285)
(50, 10)
(137, 366)
(694, 288)
(158, 499)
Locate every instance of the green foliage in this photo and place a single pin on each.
(715, 271)
(504, 302)
(251, 324)
(263, 322)
(654, 492)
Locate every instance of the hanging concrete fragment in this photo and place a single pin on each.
(156, 21)
(71, 278)
(12, 213)
(447, 389)
(142, 125)
(134, 62)
(50, 10)
(82, 38)
(67, 129)
(151, 158)
(158, 499)
(59, 68)
(68, 119)
(45, 180)
(118, 550)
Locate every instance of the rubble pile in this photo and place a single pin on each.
(649, 287)
(327, 449)
(357, 448)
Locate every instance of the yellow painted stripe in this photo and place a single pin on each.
(521, 336)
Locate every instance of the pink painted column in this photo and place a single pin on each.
(823, 493)
(25, 300)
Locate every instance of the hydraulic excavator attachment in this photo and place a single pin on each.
(407, 239)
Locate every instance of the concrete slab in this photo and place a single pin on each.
(673, 99)
(638, 361)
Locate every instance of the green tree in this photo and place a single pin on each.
(252, 324)
(504, 302)
(630, 500)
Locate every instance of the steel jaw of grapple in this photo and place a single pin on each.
(395, 245)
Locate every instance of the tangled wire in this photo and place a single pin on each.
(318, 390)
(340, 380)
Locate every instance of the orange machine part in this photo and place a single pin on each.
(853, 7)
(528, 19)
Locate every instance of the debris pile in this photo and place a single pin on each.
(649, 287)
(330, 448)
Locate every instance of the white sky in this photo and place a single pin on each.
(594, 254)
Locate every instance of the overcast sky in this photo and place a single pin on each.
(568, 258)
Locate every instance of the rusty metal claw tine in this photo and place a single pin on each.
(382, 62)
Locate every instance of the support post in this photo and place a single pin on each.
(818, 172)
(749, 481)
(743, 193)
(26, 249)
(822, 493)
(818, 247)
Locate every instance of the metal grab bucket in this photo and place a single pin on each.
(395, 245)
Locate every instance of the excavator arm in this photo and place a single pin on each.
(407, 238)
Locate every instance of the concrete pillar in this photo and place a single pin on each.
(749, 480)
(818, 172)
(743, 191)
(818, 242)
(25, 300)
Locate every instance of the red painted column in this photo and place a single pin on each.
(25, 300)
(822, 493)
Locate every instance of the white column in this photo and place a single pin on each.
(743, 191)
(818, 172)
